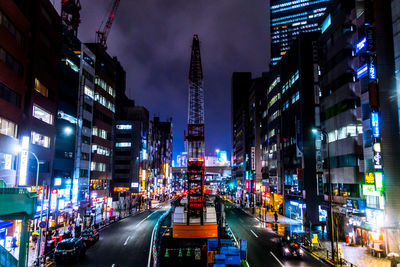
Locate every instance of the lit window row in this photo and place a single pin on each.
(101, 150)
(344, 132)
(275, 82)
(294, 5)
(289, 17)
(290, 21)
(273, 100)
(295, 97)
(291, 81)
(89, 92)
(271, 133)
(103, 101)
(70, 64)
(97, 166)
(106, 87)
(43, 115)
(99, 132)
(8, 128)
(40, 139)
(123, 144)
(274, 116)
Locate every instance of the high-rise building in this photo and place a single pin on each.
(291, 17)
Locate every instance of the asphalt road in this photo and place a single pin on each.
(262, 242)
(124, 243)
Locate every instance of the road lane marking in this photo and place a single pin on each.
(113, 265)
(254, 233)
(150, 250)
(277, 259)
(126, 241)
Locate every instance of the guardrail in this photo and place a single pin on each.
(156, 233)
(7, 259)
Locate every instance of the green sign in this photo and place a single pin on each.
(369, 190)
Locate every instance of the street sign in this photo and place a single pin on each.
(42, 224)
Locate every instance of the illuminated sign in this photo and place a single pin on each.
(53, 201)
(23, 161)
(369, 190)
(124, 127)
(377, 160)
(361, 71)
(75, 190)
(134, 184)
(247, 185)
(369, 178)
(326, 23)
(377, 147)
(379, 181)
(64, 116)
(57, 181)
(7, 161)
(61, 204)
(361, 44)
(253, 156)
(372, 72)
(375, 124)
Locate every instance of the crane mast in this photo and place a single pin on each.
(101, 35)
(195, 137)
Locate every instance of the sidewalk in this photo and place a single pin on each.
(356, 255)
(269, 217)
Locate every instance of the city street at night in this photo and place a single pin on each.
(124, 243)
(263, 242)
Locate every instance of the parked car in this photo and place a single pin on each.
(90, 236)
(69, 249)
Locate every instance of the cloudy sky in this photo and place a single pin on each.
(152, 40)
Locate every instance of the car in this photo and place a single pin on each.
(90, 236)
(290, 248)
(69, 249)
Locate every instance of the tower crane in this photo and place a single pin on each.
(102, 34)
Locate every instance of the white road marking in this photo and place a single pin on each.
(254, 233)
(234, 237)
(126, 241)
(150, 250)
(277, 259)
(113, 265)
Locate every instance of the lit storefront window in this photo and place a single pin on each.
(41, 89)
(123, 144)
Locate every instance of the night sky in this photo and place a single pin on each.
(152, 39)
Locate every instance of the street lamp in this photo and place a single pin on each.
(315, 131)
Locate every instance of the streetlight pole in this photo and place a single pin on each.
(330, 195)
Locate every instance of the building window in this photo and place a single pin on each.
(106, 87)
(11, 62)
(84, 156)
(85, 140)
(9, 95)
(89, 92)
(6, 22)
(40, 140)
(86, 123)
(6, 161)
(8, 128)
(42, 114)
(41, 89)
(97, 166)
(101, 150)
(87, 75)
(103, 101)
(100, 132)
(83, 173)
(123, 144)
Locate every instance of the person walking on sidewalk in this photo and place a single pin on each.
(276, 216)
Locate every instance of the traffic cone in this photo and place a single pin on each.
(166, 253)
(188, 253)
(180, 253)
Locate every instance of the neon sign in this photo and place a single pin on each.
(369, 190)
(361, 44)
(361, 71)
(375, 124)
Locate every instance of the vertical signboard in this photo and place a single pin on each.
(23, 166)
(253, 158)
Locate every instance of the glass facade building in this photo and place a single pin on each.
(289, 19)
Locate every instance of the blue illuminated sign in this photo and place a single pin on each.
(361, 44)
(375, 124)
(326, 23)
(372, 72)
(361, 71)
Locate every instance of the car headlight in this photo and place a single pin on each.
(287, 250)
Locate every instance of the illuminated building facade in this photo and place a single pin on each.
(288, 18)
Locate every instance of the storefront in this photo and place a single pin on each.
(294, 209)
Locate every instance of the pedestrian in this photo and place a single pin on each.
(14, 244)
(34, 240)
(393, 261)
(276, 216)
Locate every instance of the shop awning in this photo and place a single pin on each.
(5, 224)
